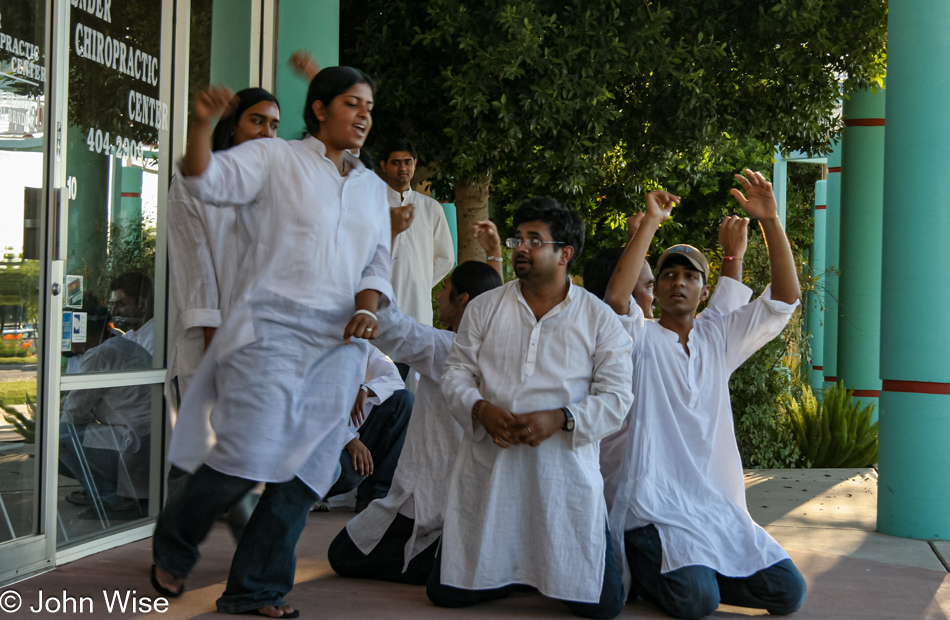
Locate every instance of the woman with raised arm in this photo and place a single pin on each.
(280, 372)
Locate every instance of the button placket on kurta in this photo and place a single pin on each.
(534, 342)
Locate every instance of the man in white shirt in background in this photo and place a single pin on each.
(132, 307)
(379, 420)
(680, 513)
(539, 374)
(423, 254)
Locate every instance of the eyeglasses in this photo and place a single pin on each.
(530, 243)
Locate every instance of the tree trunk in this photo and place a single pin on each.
(471, 203)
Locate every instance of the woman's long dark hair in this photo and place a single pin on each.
(329, 84)
(223, 136)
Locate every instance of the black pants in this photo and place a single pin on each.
(386, 560)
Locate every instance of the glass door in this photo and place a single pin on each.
(24, 332)
(115, 128)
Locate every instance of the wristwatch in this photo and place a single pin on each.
(568, 420)
(364, 388)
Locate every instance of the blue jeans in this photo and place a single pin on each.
(696, 591)
(611, 594)
(262, 570)
(383, 434)
(237, 516)
(386, 560)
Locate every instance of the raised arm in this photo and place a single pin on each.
(734, 239)
(304, 64)
(659, 205)
(209, 103)
(761, 205)
(486, 233)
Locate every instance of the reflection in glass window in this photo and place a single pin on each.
(23, 118)
(114, 116)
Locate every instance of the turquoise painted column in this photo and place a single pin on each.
(312, 25)
(451, 216)
(815, 301)
(832, 264)
(915, 336)
(862, 212)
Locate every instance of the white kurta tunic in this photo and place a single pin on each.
(277, 383)
(682, 470)
(382, 378)
(422, 255)
(432, 439)
(526, 515)
(203, 257)
(728, 295)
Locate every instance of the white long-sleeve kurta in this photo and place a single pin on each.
(728, 295)
(422, 255)
(203, 255)
(526, 515)
(432, 439)
(277, 384)
(382, 378)
(683, 472)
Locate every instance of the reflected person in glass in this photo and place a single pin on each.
(105, 432)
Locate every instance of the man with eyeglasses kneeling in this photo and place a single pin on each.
(539, 373)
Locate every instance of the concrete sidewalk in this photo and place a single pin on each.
(825, 518)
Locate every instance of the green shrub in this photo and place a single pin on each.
(23, 423)
(835, 432)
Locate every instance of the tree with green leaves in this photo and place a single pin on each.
(597, 100)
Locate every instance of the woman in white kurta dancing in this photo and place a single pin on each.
(316, 262)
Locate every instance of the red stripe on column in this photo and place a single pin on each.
(916, 387)
(817, 368)
(820, 207)
(131, 194)
(834, 169)
(868, 393)
(831, 379)
(864, 122)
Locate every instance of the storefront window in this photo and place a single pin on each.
(23, 81)
(114, 119)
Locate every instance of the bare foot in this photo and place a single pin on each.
(169, 582)
(284, 611)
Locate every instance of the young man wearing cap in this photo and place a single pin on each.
(680, 514)
(630, 295)
(539, 374)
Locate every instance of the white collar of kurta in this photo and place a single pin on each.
(402, 196)
(555, 310)
(351, 163)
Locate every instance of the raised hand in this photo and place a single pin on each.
(400, 218)
(734, 236)
(486, 233)
(760, 203)
(633, 224)
(660, 204)
(213, 101)
(304, 64)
